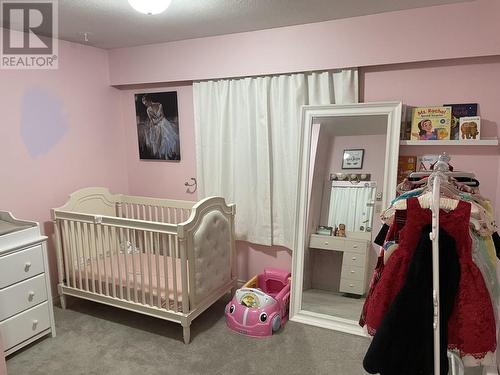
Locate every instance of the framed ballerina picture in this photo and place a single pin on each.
(157, 118)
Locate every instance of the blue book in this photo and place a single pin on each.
(457, 111)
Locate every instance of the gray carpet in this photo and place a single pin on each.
(97, 339)
(334, 304)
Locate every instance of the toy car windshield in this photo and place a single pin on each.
(253, 298)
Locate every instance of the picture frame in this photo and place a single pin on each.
(157, 120)
(353, 158)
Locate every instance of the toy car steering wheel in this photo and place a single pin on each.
(253, 298)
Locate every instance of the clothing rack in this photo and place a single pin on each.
(439, 174)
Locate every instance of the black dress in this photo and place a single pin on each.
(403, 344)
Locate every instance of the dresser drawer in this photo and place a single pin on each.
(22, 296)
(353, 272)
(354, 259)
(351, 286)
(326, 242)
(355, 247)
(24, 325)
(20, 266)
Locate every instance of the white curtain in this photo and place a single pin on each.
(351, 206)
(247, 144)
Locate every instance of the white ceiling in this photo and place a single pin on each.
(113, 23)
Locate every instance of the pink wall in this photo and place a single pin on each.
(473, 80)
(61, 130)
(449, 31)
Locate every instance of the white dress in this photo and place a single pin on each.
(162, 137)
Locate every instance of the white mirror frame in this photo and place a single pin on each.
(310, 114)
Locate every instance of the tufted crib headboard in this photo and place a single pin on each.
(208, 238)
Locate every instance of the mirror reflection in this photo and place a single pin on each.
(346, 177)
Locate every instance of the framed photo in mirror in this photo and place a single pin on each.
(353, 159)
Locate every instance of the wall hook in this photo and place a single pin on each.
(193, 184)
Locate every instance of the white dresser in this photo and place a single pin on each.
(26, 312)
(353, 277)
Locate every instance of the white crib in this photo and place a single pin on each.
(165, 258)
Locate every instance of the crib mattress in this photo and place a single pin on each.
(131, 265)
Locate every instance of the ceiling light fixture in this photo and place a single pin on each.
(150, 7)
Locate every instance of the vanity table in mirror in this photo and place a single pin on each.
(349, 164)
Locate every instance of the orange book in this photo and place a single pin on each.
(406, 165)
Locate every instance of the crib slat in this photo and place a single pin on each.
(104, 242)
(158, 274)
(94, 256)
(81, 240)
(134, 276)
(142, 240)
(97, 241)
(165, 271)
(81, 243)
(116, 247)
(67, 252)
(109, 230)
(143, 212)
(150, 273)
(184, 277)
(174, 274)
(87, 244)
(74, 243)
(125, 259)
(171, 219)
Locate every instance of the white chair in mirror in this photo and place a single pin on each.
(348, 172)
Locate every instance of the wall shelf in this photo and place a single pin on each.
(493, 141)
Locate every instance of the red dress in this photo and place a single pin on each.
(471, 327)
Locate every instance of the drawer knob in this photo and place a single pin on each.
(27, 266)
(352, 271)
(353, 258)
(354, 246)
(326, 242)
(31, 295)
(35, 323)
(351, 285)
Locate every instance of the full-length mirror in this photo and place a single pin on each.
(349, 166)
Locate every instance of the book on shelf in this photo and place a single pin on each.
(470, 127)
(431, 123)
(406, 115)
(425, 162)
(406, 165)
(458, 111)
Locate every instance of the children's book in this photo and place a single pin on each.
(425, 162)
(431, 123)
(470, 127)
(406, 165)
(406, 114)
(457, 111)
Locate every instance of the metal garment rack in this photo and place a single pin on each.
(436, 178)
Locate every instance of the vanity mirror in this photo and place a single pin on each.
(348, 173)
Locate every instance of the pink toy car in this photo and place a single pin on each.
(260, 307)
